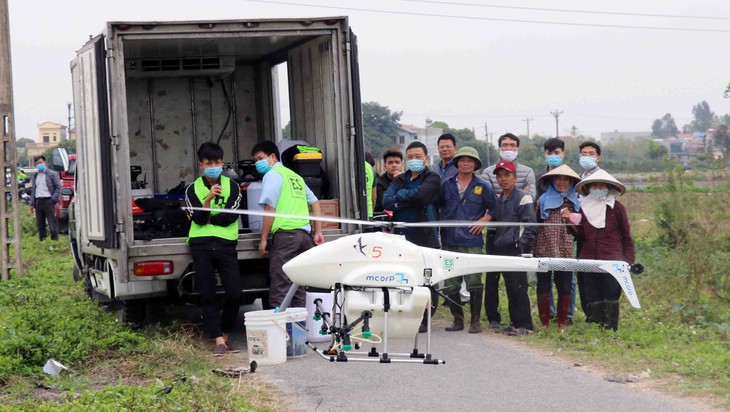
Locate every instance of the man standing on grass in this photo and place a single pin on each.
(414, 197)
(513, 205)
(213, 238)
(465, 197)
(44, 195)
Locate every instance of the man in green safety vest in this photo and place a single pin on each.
(213, 238)
(284, 192)
(370, 183)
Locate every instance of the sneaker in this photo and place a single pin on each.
(220, 349)
(231, 348)
(518, 331)
(495, 326)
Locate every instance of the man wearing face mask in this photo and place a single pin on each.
(284, 192)
(413, 196)
(509, 147)
(45, 194)
(213, 238)
(590, 156)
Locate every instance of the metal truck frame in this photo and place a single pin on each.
(149, 93)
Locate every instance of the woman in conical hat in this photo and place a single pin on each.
(604, 229)
(555, 241)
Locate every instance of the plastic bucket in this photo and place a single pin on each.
(269, 334)
(314, 326)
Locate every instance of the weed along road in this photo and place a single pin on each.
(482, 372)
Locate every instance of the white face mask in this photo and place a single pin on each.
(509, 155)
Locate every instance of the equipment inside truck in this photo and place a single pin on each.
(183, 91)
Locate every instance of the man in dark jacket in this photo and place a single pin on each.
(45, 194)
(413, 197)
(512, 206)
(465, 197)
(393, 160)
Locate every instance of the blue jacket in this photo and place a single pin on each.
(446, 172)
(54, 186)
(478, 198)
(415, 201)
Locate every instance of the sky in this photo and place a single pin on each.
(601, 66)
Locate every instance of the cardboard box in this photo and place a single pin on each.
(330, 208)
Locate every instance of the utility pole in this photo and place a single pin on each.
(9, 203)
(556, 113)
(573, 130)
(486, 137)
(528, 126)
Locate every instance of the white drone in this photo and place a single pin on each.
(382, 284)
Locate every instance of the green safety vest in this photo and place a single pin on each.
(369, 180)
(292, 201)
(229, 232)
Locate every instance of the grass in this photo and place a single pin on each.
(680, 337)
(46, 315)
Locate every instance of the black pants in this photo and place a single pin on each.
(45, 211)
(285, 245)
(517, 297)
(600, 286)
(563, 282)
(219, 314)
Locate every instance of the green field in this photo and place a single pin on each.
(678, 341)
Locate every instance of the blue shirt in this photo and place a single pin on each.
(448, 171)
(477, 198)
(272, 190)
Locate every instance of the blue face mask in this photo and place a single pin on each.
(598, 193)
(554, 160)
(415, 165)
(41, 167)
(213, 172)
(587, 162)
(262, 166)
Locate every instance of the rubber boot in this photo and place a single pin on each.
(597, 311)
(457, 311)
(612, 314)
(475, 305)
(563, 306)
(543, 308)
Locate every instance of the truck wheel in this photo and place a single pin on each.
(132, 312)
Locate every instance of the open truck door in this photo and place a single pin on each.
(356, 129)
(94, 142)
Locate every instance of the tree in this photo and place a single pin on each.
(722, 140)
(380, 127)
(664, 127)
(727, 91)
(286, 131)
(69, 145)
(704, 118)
(23, 142)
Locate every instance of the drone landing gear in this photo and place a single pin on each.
(342, 337)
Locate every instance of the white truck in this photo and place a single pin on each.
(147, 94)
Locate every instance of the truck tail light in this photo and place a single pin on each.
(153, 268)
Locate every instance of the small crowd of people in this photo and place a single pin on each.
(588, 222)
(585, 204)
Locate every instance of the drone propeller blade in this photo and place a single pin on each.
(285, 215)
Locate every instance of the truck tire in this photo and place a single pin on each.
(132, 312)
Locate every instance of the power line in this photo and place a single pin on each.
(609, 13)
(558, 23)
(557, 114)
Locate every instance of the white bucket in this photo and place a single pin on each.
(314, 326)
(267, 338)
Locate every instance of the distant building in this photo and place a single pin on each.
(50, 135)
(607, 137)
(428, 136)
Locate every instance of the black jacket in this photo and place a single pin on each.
(415, 201)
(517, 207)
